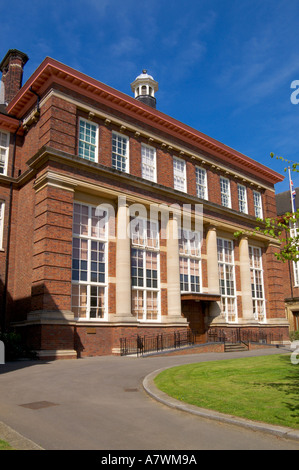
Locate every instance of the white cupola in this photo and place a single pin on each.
(144, 88)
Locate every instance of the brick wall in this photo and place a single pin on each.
(40, 267)
(52, 249)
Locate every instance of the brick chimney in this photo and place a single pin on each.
(12, 73)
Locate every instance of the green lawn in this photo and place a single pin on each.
(264, 388)
(4, 445)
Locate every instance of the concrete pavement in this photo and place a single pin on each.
(112, 403)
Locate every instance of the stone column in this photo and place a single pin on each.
(212, 261)
(213, 274)
(247, 306)
(173, 273)
(123, 263)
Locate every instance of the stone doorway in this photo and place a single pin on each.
(193, 311)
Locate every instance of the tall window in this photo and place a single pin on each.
(4, 145)
(190, 263)
(89, 264)
(145, 270)
(120, 152)
(293, 234)
(1, 223)
(225, 192)
(242, 197)
(179, 174)
(148, 162)
(296, 272)
(88, 140)
(226, 268)
(257, 284)
(201, 183)
(257, 201)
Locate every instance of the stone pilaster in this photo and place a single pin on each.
(247, 306)
(123, 264)
(173, 273)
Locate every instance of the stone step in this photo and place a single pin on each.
(230, 347)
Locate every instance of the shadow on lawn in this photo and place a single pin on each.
(289, 384)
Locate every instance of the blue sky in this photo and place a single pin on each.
(224, 67)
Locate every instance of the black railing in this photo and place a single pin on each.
(240, 335)
(142, 345)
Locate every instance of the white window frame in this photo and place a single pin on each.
(144, 244)
(120, 159)
(258, 295)
(2, 208)
(258, 205)
(226, 265)
(189, 254)
(148, 153)
(87, 236)
(242, 199)
(87, 143)
(179, 174)
(201, 182)
(4, 149)
(225, 192)
(296, 273)
(294, 233)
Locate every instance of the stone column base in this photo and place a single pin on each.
(53, 354)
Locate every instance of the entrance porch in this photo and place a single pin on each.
(195, 308)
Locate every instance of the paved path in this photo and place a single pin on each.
(100, 404)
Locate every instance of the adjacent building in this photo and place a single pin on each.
(291, 277)
(94, 187)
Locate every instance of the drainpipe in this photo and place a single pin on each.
(38, 98)
(3, 316)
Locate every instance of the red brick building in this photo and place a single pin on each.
(72, 279)
(291, 268)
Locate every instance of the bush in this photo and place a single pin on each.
(294, 335)
(14, 347)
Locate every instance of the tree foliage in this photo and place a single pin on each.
(293, 165)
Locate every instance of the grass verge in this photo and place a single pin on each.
(5, 446)
(263, 388)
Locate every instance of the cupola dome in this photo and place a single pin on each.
(144, 88)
